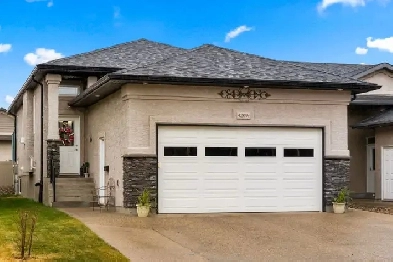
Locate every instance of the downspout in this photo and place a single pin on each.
(15, 154)
(40, 194)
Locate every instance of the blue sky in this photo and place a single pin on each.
(34, 31)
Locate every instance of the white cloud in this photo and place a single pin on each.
(116, 13)
(361, 51)
(236, 32)
(383, 44)
(50, 2)
(4, 48)
(9, 99)
(352, 3)
(42, 55)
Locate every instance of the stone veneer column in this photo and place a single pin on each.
(139, 172)
(336, 176)
(53, 153)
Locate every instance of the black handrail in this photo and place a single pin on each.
(53, 176)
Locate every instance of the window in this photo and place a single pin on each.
(370, 140)
(260, 151)
(298, 152)
(220, 151)
(69, 90)
(180, 151)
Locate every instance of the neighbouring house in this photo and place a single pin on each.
(6, 131)
(207, 129)
(7, 185)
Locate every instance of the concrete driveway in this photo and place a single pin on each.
(355, 235)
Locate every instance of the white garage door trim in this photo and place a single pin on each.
(212, 184)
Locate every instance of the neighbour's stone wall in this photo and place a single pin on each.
(7, 190)
(139, 172)
(336, 176)
(53, 153)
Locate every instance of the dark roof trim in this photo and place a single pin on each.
(355, 88)
(374, 69)
(40, 70)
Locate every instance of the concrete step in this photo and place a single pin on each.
(74, 179)
(65, 204)
(73, 198)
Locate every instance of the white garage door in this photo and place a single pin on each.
(239, 169)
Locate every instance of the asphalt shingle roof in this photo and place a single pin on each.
(127, 55)
(346, 70)
(384, 118)
(209, 61)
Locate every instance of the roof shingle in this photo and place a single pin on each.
(126, 55)
(209, 61)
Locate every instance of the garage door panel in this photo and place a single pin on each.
(261, 184)
(221, 184)
(261, 176)
(181, 204)
(175, 184)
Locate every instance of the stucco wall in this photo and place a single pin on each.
(107, 119)
(383, 138)
(382, 78)
(148, 105)
(357, 144)
(5, 150)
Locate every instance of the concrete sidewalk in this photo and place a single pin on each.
(245, 237)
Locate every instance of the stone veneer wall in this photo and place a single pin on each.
(139, 172)
(53, 153)
(336, 176)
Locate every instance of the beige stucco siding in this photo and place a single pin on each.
(107, 119)
(382, 78)
(5, 150)
(149, 105)
(357, 144)
(383, 138)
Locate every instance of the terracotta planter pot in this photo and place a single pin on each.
(143, 211)
(338, 208)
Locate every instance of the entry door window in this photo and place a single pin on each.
(66, 132)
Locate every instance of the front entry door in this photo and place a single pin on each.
(387, 175)
(69, 131)
(371, 168)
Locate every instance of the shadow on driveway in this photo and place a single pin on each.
(355, 235)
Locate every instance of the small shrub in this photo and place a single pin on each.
(26, 227)
(343, 196)
(144, 198)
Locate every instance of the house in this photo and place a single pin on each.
(207, 129)
(6, 131)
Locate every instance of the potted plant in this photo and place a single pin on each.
(339, 202)
(86, 166)
(143, 206)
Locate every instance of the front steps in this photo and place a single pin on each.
(72, 192)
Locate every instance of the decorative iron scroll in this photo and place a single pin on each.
(244, 93)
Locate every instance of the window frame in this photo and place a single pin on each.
(77, 87)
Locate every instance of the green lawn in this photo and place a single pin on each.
(58, 236)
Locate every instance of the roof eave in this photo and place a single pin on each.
(354, 88)
(54, 69)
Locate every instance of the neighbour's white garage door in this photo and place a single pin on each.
(239, 169)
